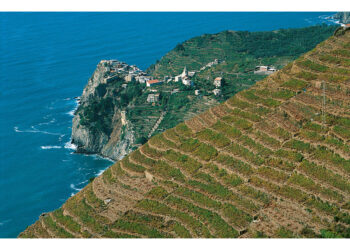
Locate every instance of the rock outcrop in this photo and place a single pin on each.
(343, 17)
(88, 136)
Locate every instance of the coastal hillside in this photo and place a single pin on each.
(271, 161)
(119, 111)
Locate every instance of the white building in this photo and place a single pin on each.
(264, 70)
(217, 82)
(153, 97)
(196, 92)
(191, 73)
(217, 91)
(177, 78)
(186, 81)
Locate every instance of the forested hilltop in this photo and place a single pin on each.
(271, 161)
(117, 117)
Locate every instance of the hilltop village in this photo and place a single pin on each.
(117, 70)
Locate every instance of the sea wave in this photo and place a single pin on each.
(4, 222)
(70, 145)
(99, 157)
(50, 147)
(47, 123)
(71, 113)
(34, 130)
(72, 186)
(100, 172)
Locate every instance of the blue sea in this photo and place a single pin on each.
(46, 60)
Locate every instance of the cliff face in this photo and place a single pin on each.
(87, 134)
(344, 17)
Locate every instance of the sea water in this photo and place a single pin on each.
(46, 60)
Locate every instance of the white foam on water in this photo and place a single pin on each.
(34, 130)
(70, 145)
(100, 172)
(47, 123)
(4, 222)
(72, 186)
(99, 157)
(83, 182)
(71, 113)
(60, 139)
(50, 147)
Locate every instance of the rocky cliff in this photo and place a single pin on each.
(343, 17)
(89, 133)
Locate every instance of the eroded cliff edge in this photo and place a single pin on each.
(97, 124)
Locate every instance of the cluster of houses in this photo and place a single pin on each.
(185, 77)
(117, 69)
(264, 70)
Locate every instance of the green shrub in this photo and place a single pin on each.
(138, 228)
(182, 161)
(290, 155)
(235, 164)
(227, 130)
(66, 220)
(236, 216)
(254, 193)
(299, 146)
(228, 179)
(342, 131)
(310, 185)
(60, 232)
(198, 197)
(157, 207)
(127, 164)
(282, 232)
(183, 130)
(157, 193)
(217, 139)
(307, 75)
(325, 175)
(314, 66)
(205, 152)
(167, 171)
(222, 229)
(246, 154)
(295, 84)
(283, 94)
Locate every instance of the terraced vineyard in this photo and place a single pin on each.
(269, 162)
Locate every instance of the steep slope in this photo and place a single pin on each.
(98, 126)
(272, 161)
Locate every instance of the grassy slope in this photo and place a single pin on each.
(265, 163)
